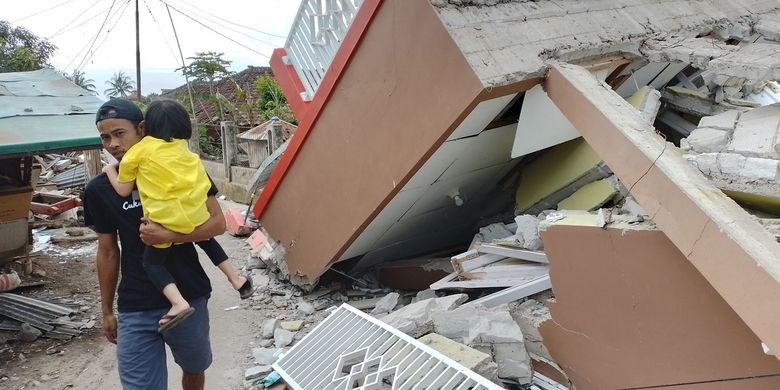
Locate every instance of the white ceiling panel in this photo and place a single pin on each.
(482, 115)
(541, 124)
(491, 147)
(441, 160)
(469, 186)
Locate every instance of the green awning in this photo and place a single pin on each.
(41, 111)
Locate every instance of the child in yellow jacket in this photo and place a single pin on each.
(173, 187)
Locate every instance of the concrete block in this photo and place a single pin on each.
(724, 121)
(513, 362)
(528, 229)
(477, 361)
(235, 223)
(386, 304)
(706, 162)
(707, 140)
(283, 338)
(530, 315)
(493, 328)
(269, 326)
(761, 169)
(266, 356)
(416, 319)
(257, 372)
(489, 233)
(425, 294)
(731, 163)
(258, 240)
(292, 326)
(756, 133)
(477, 325)
(306, 308)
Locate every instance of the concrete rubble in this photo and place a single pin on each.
(706, 105)
(739, 151)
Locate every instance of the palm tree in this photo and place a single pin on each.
(78, 78)
(119, 84)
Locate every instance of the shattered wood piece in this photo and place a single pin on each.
(522, 254)
(509, 271)
(473, 261)
(694, 102)
(515, 293)
(413, 274)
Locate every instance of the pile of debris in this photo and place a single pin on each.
(34, 318)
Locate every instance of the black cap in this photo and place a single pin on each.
(119, 109)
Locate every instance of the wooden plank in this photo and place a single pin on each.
(515, 293)
(229, 146)
(522, 254)
(473, 261)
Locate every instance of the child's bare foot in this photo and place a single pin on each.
(178, 313)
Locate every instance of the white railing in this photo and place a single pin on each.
(315, 37)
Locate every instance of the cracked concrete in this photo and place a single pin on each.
(509, 41)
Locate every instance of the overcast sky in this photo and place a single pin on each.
(72, 25)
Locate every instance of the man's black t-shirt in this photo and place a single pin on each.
(107, 212)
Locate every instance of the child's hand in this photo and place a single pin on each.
(110, 168)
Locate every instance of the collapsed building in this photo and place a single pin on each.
(637, 141)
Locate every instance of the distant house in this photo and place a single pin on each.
(207, 110)
(262, 140)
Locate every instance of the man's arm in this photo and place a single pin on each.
(107, 262)
(153, 233)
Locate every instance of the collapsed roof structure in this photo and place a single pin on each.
(422, 121)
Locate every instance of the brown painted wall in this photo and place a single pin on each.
(405, 90)
(631, 311)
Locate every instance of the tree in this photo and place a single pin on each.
(21, 50)
(78, 78)
(208, 67)
(119, 84)
(271, 100)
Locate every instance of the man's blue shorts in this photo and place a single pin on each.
(141, 348)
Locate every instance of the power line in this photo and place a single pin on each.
(94, 38)
(44, 11)
(105, 37)
(162, 34)
(214, 31)
(82, 13)
(273, 45)
(234, 23)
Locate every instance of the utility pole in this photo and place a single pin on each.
(137, 53)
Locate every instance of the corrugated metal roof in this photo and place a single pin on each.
(42, 111)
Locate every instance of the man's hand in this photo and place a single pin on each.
(152, 233)
(109, 327)
(110, 168)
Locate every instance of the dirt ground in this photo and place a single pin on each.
(88, 361)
